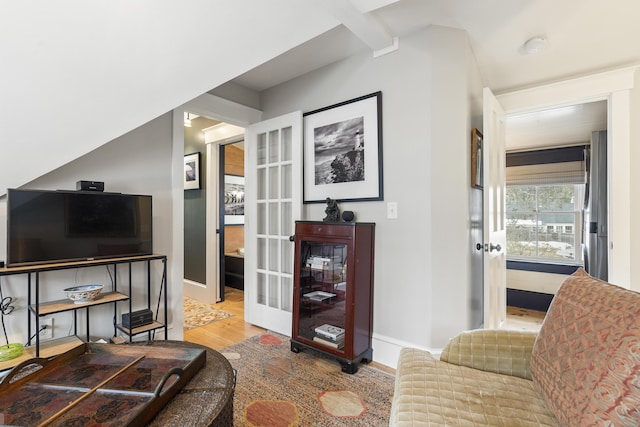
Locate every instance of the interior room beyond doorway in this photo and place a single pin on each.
(195, 207)
(549, 130)
(214, 211)
(232, 163)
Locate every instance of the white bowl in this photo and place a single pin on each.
(84, 293)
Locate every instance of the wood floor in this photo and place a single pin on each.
(218, 335)
(524, 319)
(223, 333)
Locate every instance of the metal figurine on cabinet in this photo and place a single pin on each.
(332, 210)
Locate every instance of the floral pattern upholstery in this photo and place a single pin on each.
(586, 359)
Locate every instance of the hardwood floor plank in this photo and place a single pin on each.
(524, 319)
(223, 333)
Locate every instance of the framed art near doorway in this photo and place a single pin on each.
(233, 200)
(476, 158)
(192, 171)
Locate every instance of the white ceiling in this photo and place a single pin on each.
(584, 36)
(77, 65)
(562, 126)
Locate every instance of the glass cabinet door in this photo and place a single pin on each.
(323, 292)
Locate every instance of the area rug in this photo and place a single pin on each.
(197, 313)
(278, 388)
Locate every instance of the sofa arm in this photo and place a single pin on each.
(494, 350)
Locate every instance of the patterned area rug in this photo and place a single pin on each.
(198, 314)
(279, 388)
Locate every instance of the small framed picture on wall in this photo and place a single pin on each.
(476, 158)
(192, 171)
(233, 200)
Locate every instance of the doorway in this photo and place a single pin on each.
(283, 133)
(232, 214)
(213, 216)
(196, 163)
(616, 87)
(216, 138)
(547, 161)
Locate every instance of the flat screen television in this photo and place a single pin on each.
(45, 226)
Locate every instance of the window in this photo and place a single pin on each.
(544, 222)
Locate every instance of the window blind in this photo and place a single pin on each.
(546, 174)
(547, 167)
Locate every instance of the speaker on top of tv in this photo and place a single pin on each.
(90, 185)
(46, 226)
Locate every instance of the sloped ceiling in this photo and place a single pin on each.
(91, 71)
(584, 36)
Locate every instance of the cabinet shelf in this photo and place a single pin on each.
(59, 306)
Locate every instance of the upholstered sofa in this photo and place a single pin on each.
(582, 369)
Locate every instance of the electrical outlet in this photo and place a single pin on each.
(47, 332)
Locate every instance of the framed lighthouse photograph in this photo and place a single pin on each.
(343, 151)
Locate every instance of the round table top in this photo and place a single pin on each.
(206, 400)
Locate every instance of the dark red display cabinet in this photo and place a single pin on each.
(333, 290)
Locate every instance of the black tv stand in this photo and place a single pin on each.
(38, 309)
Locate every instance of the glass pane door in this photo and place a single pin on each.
(274, 162)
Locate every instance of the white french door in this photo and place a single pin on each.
(273, 195)
(495, 237)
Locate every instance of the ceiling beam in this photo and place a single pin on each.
(363, 25)
(370, 5)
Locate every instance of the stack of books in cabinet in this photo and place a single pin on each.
(329, 335)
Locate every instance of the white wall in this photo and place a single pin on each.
(450, 160)
(474, 120)
(138, 162)
(421, 295)
(533, 281)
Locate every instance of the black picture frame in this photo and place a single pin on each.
(233, 200)
(192, 171)
(343, 151)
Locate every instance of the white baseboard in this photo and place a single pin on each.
(197, 291)
(386, 350)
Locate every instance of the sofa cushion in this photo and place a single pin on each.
(501, 351)
(429, 392)
(586, 359)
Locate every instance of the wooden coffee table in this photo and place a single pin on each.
(156, 382)
(206, 400)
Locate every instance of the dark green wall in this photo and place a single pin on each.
(195, 225)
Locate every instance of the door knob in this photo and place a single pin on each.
(478, 246)
(490, 247)
(292, 238)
